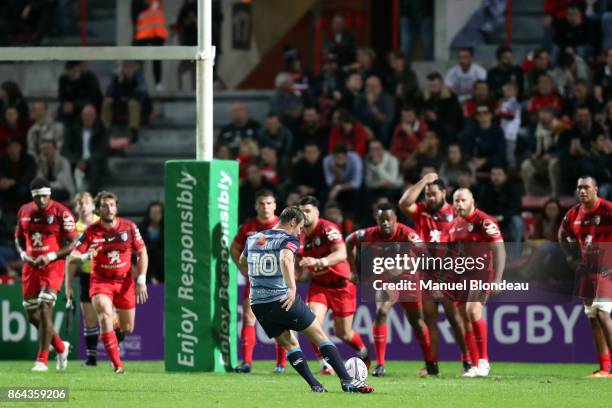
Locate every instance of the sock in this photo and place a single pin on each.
(315, 348)
(480, 333)
(112, 347)
(58, 344)
(91, 341)
(380, 342)
(464, 357)
(298, 362)
(470, 342)
(425, 344)
(604, 362)
(331, 355)
(43, 356)
(248, 343)
(281, 355)
(356, 341)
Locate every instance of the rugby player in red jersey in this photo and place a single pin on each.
(324, 258)
(432, 218)
(587, 224)
(475, 226)
(110, 243)
(44, 236)
(265, 206)
(389, 230)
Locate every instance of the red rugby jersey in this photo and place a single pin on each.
(433, 227)
(319, 244)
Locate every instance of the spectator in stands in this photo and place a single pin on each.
(607, 118)
(599, 165)
(55, 168)
(10, 95)
(344, 175)
(186, 27)
(152, 230)
(87, 147)
(465, 179)
(125, 91)
(574, 31)
(312, 130)
(403, 82)
(461, 77)
(349, 132)
(484, 144)
(510, 115)
(253, 182)
(78, 86)
(453, 165)
(329, 84)
(240, 127)
(149, 25)
(303, 79)
(428, 154)
(505, 72)
(341, 42)
(407, 136)
(223, 152)
(17, 170)
(555, 12)
(276, 135)
(603, 78)
(501, 199)
(541, 171)
(247, 155)
(268, 165)
(570, 70)
(376, 109)
(482, 96)
(44, 127)
(545, 96)
(285, 103)
(307, 175)
(12, 128)
(539, 65)
(606, 24)
(353, 89)
(416, 20)
(293, 198)
(333, 212)
(365, 64)
(382, 172)
(548, 222)
(441, 108)
(582, 96)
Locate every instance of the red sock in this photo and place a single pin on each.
(356, 341)
(248, 343)
(423, 340)
(480, 333)
(315, 348)
(604, 362)
(112, 347)
(380, 342)
(281, 355)
(43, 356)
(58, 344)
(470, 342)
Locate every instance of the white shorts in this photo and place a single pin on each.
(591, 310)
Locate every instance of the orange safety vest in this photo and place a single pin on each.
(151, 23)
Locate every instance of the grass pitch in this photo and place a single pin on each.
(145, 384)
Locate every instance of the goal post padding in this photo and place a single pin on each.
(201, 219)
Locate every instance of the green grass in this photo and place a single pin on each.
(145, 384)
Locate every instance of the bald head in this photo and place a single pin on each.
(239, 114)
(463, 202)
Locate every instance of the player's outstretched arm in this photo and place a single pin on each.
(22, 253)
(142, 264)
(72, 263)
(287, 264)
(407, 203)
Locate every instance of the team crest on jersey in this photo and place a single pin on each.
(124, 236)
(317, 241)
(50, 219)
(360, 234)
(596, 220)
(261, 240)
(470, 227)
(449, 217)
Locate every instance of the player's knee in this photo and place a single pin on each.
(343, 333)
(46, 299)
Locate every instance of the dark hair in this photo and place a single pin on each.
(147, 219)
(340, 148)
(539, 52)
(583, 106)
(12, 91)
(588, 176)
(39, 183)
(309, 200)
(566, 60)
(103, 195)
(273, 114)
(264, 192)
(434, 75)
(499, 166)
(345, 116)
(385, 207)
(311, 143)
(332, 204)
(398, 53)
(291, 213)
(501, 50)
(71, 64)
(480, 82)
(439, 182)
(468, 49)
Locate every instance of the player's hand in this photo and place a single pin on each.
(42, 261)
(141, 293)
(354, 277)
(29, 260)
(309, 262)
(69, 294)
(430, 178)
(289, 299)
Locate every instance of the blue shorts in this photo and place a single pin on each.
(275, 320)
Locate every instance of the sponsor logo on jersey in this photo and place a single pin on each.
(37, 239)
(114, 257)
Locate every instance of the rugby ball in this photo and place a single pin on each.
(356, 368)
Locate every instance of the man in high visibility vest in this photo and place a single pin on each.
(150, 29)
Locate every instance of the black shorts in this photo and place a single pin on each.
(84, 280)
(275, 320)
